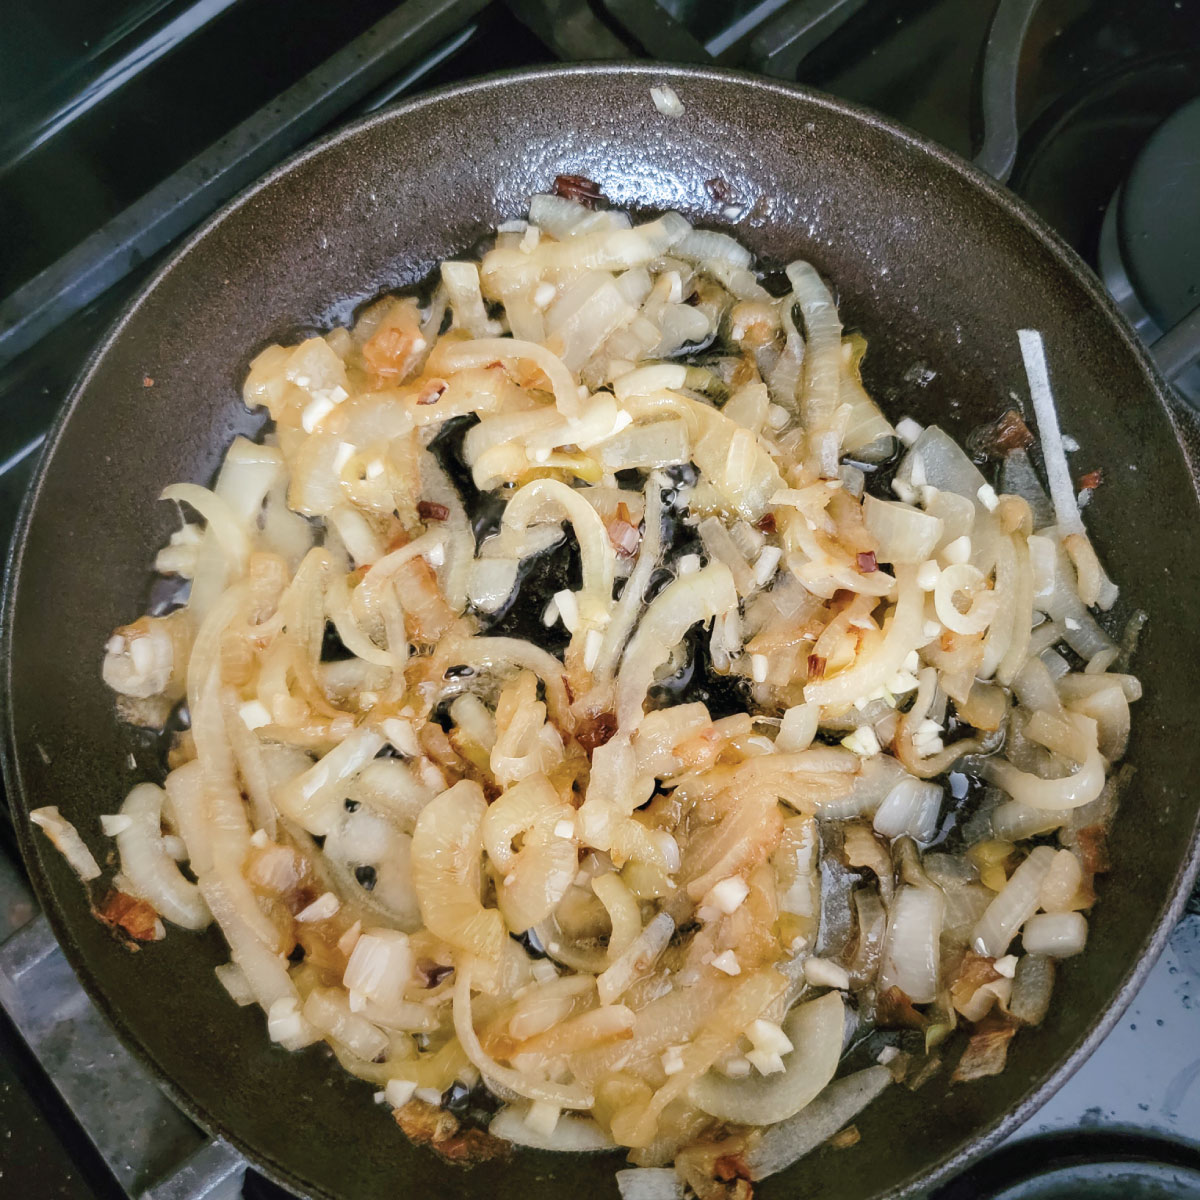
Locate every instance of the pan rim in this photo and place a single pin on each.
(32, 852)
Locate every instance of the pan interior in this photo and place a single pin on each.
(936, 268)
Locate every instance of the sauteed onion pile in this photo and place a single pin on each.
(595, 721)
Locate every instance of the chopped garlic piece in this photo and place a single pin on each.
(764, 1062)
(672, 1060)
(1006, 966)
(958, 551)
(988, 498)
(727, 961)
(928, 574)
(112, 824)
(768, 1036)
(591, 648)
(321, 909)
(542, 1117)
(564, 829)
(398, 1092)
(402, 736)
(729, 894)
(758, 668)
(568, 609)
(863, 742)
(824, 972)
(908, 430)
(254, 714)
(666, 100)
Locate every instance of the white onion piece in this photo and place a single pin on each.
(595, 550)
(911, 945)
(1058, 472)
(220, 518)
(904, 534)
(638, 958)
(945, 466)
(314, 799)
(482, 352)
(1071, 791)
(64, 837)
(911, 808)
(266, 972)
(822, 362)
(489, 653)
(565, 1095)
(1014, 821)
(461, 280)
(903, 634)
(629, 606)
(328, 1011)
(1058, 935)
(649, 1183)
(572, 1135)
(697, 597)
(1013, 905)
(966, 579)
(1060, 887)
(815, 1030)
(831, 1111)
(153, 874)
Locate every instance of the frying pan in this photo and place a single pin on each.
(935, 263)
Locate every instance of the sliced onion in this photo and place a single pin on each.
(650, 1183)
(565, 1095)
(815, 1030)
(903, 634)
(968, 580)
(910, 809)
(153, 873)
(314, 799)
(822, 361)
(911, 946)
(1057, 935)
(830, 1112)
(1072, 791)
(904, 534)
(482, 352)
(691, 598)
(66, 840)
(637, 959)
(572, 1135)
(1013, 905)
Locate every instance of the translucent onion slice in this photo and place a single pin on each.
(815, 1030)
(691, 598)
(1013, 905)
(565, 1095)
(831, 1111)
(152, 872)
(572, 1135)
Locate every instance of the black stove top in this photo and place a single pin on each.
(125, 124)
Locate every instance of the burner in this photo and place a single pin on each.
(1083, 1166)
(1150, 240)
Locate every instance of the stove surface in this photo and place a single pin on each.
(107, 158)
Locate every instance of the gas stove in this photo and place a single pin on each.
(126, 124)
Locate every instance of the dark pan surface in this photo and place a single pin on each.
(937, 266)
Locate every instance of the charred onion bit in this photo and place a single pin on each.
(999, 439)
(579, 188)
